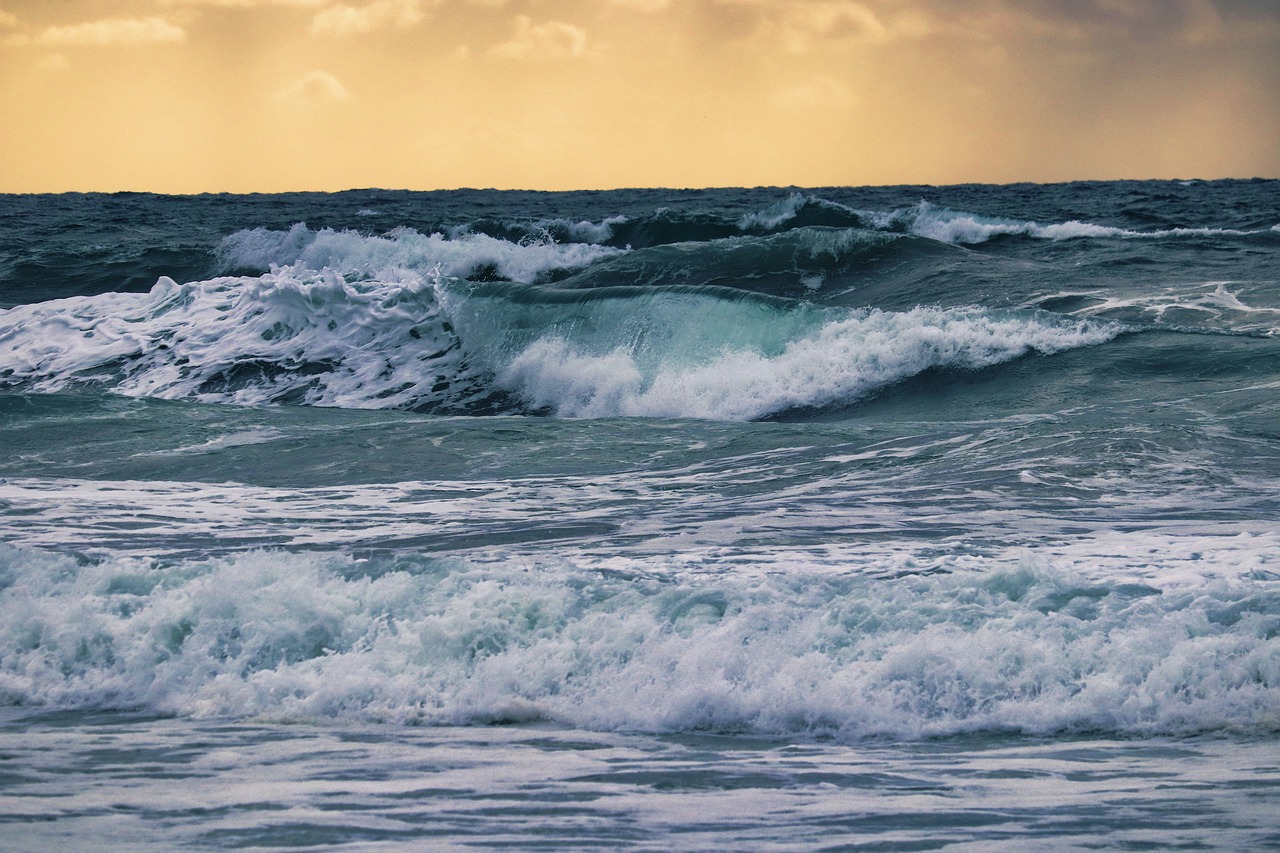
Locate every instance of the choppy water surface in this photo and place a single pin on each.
(909, 517)
(131, 783)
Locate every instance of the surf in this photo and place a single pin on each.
(1001, 644)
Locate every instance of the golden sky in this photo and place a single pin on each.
(275, 95)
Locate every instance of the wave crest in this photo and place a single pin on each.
(464, 255)
(838, 362)
(952, 226)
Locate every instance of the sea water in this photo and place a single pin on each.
(886, 518)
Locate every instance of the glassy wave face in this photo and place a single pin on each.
(894, 462)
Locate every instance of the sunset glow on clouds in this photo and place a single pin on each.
(262, 95)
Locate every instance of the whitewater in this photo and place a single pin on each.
(900, 517)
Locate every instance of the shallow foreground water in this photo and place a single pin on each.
(140, 783)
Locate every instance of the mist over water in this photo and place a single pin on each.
(755, 492)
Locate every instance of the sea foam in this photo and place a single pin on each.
(841, 360)
(1008, 642)
(458, 256)
(951, 226)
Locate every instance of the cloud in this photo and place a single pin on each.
(1190, 22)
(7, 19)
(115, 31)
(247, 4)
(318, 87)
(803, 24)
(542, 42)
(800, 26)
(346, 20)
(642, 5)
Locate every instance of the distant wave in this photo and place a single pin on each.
(463, 255)
(954, 226)
(804, 210)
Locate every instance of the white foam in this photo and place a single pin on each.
(350, 253)
(775, 214)
(583, 231)
(926, 219)
(1215, 301)
(781, 212)
(291, 334)
(951, 226)
(1005, 642)
(847, 357)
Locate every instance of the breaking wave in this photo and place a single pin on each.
(428, 342)
(1013, 644)
(954, 226)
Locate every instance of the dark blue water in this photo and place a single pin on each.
(912, 517)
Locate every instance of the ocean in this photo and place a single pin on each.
(892, 518)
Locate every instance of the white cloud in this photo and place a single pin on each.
(115, 31)
(542, 42)
(345, 20)
(318, 87)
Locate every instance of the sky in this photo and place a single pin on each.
(185, 96)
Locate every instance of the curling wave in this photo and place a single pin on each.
(424, 341)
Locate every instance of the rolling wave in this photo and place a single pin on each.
(431, 343)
